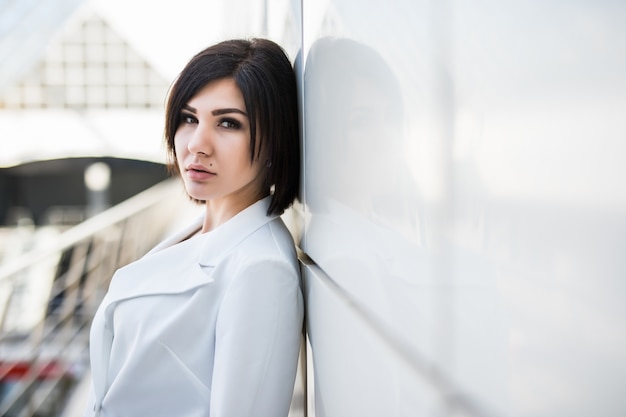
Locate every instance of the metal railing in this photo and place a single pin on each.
(39, 365)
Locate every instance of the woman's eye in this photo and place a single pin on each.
(229, 124)
(188, 119)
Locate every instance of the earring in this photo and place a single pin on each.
(268, 163)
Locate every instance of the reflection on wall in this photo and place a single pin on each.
(354, 111)
(464, 207)
(388, 348)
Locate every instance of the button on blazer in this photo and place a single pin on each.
(208, 326)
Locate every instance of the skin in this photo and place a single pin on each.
(212, 147)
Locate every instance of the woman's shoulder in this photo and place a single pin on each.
(268, 251)
(273, 240)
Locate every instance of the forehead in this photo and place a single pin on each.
(222, 93)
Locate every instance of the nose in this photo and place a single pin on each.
(201, 141)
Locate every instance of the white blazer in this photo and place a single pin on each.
(209, 326)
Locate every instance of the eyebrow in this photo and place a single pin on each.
(216, 112)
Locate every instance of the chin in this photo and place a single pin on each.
(196, 197)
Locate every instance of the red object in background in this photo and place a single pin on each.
(12, 371)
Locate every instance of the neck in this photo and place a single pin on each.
(219, 212)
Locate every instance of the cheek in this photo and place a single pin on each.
(240, 152)
(259, 169)
(178, 145)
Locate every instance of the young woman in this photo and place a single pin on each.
(208, 323)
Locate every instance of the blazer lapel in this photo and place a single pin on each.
(176, 267)
(173, 269)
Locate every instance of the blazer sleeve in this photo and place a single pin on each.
(258, 335)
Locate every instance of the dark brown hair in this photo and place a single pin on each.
(263, 73)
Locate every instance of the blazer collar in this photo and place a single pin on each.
(226, 236)
(175, 267)
(220, 241)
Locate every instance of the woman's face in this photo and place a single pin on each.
(212, 146)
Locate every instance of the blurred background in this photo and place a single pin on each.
(462, 221)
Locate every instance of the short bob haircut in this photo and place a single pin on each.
(263, 73)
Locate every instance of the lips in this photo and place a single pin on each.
(198, 172)
(198, 167)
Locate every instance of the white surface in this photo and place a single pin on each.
(463, 187)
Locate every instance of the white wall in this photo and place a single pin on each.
(464, 207)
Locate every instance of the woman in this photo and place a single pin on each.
(208, 323)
